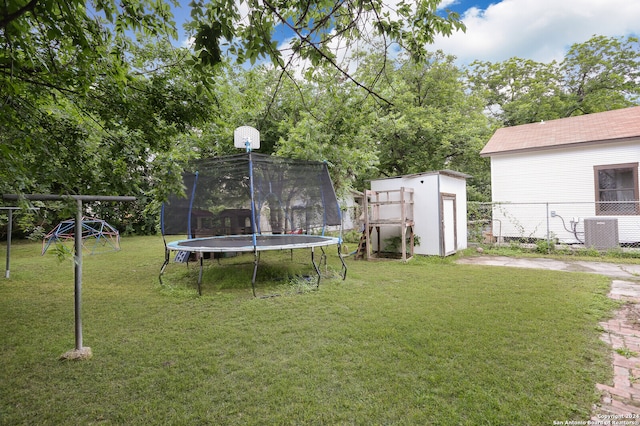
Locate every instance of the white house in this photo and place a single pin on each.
(573, 178)
(351, 210)
(439, 210)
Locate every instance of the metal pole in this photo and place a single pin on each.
(78, 275)
(9, 231)
(548, 231)
(79, 352)
(50, 197)
(253, 203)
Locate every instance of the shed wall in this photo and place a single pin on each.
(427, 189)
(426, 213)
(451, 185)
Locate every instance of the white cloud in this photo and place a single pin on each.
(188, 42)
(541, 30)
(446, 3)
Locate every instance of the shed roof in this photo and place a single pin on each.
(606, 126)
(445, 172)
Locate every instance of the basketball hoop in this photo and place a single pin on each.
(246, 137)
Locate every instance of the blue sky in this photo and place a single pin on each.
(541, 30)
(462, 5)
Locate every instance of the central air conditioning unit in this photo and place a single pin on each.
(601, 234)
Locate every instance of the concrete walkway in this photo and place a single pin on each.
(614, 270)
(620, 402)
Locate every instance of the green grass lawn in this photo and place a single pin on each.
(427, 342)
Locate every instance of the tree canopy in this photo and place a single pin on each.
(64, 44)
(598, 75)
(323, 32)
(95, 98)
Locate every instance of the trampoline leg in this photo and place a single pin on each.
(344, 265)
(164, 265)
(200, 275)
(255, 272)
(315, 266)
(323, 259)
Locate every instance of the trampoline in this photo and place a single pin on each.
(246, 243)
(252, 203)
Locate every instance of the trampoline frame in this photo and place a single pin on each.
(256, 244)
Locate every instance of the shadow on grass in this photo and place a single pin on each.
(278, 273)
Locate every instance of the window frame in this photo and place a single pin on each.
(600, 203)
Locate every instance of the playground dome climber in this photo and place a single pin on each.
(97, 235)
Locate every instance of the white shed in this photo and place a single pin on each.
(439, 211)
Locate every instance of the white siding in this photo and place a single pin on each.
(426, 213)
(458, 187)
(350, 213)
(563, 176)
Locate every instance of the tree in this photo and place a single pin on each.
(519, 91)
(146, 131)
(602, 74)
(54, 56)
(64, 45)
(113, 139)
(433, 124)
(599, 75)
(238, 97)
(327, 127)
(61, 44)
(319, 29)
(66, 68)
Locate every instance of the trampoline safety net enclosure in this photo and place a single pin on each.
(252, 195)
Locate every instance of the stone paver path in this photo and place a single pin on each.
(621, 402)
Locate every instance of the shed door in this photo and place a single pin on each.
(448, 226)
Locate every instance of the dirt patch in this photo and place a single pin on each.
(632, 312)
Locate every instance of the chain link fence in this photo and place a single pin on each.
(572, 225)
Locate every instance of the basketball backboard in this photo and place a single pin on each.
(246, 137)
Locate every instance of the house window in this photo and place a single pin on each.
(617, 189)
